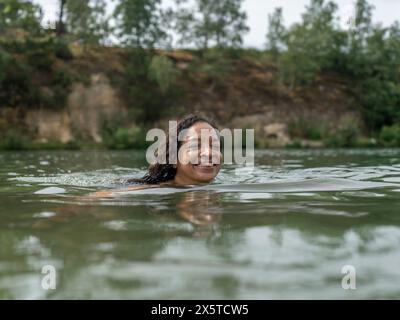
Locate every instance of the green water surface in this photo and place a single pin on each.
(283, 229)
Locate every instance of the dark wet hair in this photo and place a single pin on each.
(158, 172)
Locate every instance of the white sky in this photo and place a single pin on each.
(386, 12)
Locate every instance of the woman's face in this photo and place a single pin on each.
(199, 158)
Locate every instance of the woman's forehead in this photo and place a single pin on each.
(198, 129)
(198, 126)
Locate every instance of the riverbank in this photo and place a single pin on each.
(64, 96)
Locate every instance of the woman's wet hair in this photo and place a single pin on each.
(158, 173)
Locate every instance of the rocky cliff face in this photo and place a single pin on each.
(87, 109)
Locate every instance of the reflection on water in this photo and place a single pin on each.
(199, 208)
(281, 230)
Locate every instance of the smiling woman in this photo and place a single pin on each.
(198, 161)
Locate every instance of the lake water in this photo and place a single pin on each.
(283, 229)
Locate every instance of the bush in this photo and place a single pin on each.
(61, 82)
(16, 87)
(119, 138)
(148, 86)
(163, 71)
(13, 140)
(307, 129)
(215, 64)
(297, 68)
(40, 59)
(42, 53)
(29, 76)
(54, 145)
(380, 101)
(4, 60)
(345, 137)
(390, 136)
(61, 50)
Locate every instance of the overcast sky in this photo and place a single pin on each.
(386, 12)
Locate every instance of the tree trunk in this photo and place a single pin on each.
(60, 28)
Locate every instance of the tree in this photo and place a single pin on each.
(139, 23)
(222, 23)
(312, 45)
(60, 27)
(20, 14)
(363, 18)
(321, 24)
(230, 23)
(140, 26)
(320, 14)
(376, 71)
(276, 32)
(298, 67)
(87, 20)
(393, 50)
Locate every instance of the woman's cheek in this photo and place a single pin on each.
(217, 157)
(183, 156)
(193, 157)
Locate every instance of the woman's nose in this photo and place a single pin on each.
(205, 155)
(208, 156)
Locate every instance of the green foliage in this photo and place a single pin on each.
(380, 102)
(276, 31)
(297, 67)
(61, 83)
(345, 137)
(22, 77)
(295, 144)
(16, 88)
(390, 136)
(38, 58)
(138, 22)
(221, 23)
(52, 145)
(308, 129)
(87, 21)
(366, 54)
(148, 85)
(20, 14)
(61, 49)
(163, 71)
(216, 64)
(120, 138)
(4, 61)
(362, 21)
(376, 71)
(12, 140)
(310, 45)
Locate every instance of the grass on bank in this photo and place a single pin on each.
(121, 138)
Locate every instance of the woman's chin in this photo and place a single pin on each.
(205, 173)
